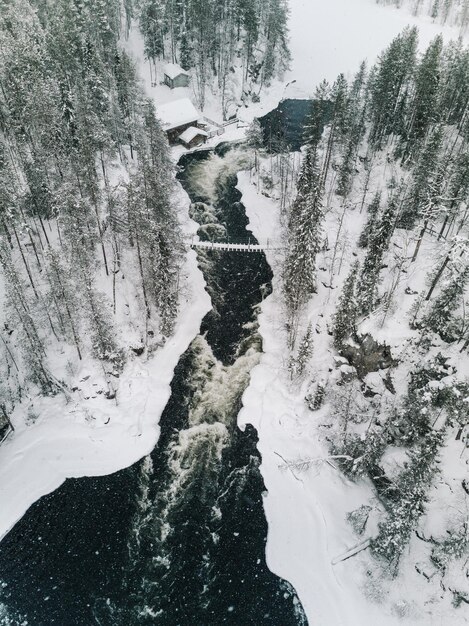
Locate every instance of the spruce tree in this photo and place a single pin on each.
(319, 113)
(424, 108)
(339, 124)
(454, 81)
(457, 191)
(389, 85)
(412, 482)
(353, 130)
(25, 319)
(373, 210)
(304, 238)
(305, 351)
(423, 178)
(440, 316)
(345, 319)
(378, 244)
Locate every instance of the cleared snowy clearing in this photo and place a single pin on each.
(335, 36)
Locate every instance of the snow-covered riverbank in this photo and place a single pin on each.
(306, 510)
(308, 498)
(91, 435)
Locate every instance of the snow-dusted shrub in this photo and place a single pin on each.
(315, 398)
(361, 453)
(405, 511)
(454, 546)
(359, 518)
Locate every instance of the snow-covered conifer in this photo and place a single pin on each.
(345, 320)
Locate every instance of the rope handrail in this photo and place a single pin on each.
(237, 246)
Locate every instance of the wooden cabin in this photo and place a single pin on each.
(193, 137)
(176, 117)
(175, 76)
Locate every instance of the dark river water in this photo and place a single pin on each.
(179, 538)
(285, 127)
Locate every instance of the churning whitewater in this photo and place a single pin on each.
(197, 553)
(186, 526)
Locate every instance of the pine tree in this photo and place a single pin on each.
(348, 164)
(32, 344)
(255, 140)
(373, 210)
(255, 135)
(318, 115)
(305, 351)
(412, 483)
(423, 178)
(185, 54)
(378, 244)
(304, 238)
(102, 333)
(62, 294)
(424, 108)
(457, 189)
(340, 122)
(440, 317)
(353, 130)
(454, 81)
(345, 319)
(389, 85)
(153, 27)
(277, 55)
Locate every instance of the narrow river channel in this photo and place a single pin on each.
(179, 538)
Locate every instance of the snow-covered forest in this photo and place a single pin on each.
(89, 211)
(86, 199)
(293, 415)
(455, 12)
(235, 45)
(374, 289)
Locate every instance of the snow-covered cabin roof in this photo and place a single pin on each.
(173, 70)
(177, 113)
(191, 133)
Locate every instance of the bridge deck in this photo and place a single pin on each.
(236, 247)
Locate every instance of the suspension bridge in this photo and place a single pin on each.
(236, 246)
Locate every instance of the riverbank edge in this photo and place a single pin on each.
(305, 509)
(65, 442)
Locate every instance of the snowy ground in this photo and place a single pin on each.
(335, 36)
(306, 504)
(90, 435)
